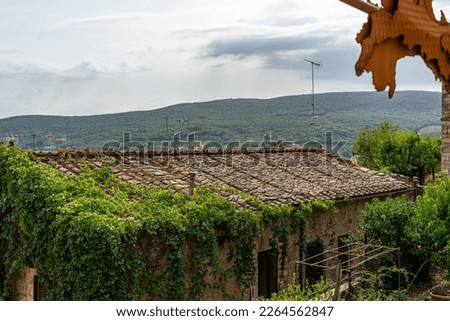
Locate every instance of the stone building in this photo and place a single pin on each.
(279, 176)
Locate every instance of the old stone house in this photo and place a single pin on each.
(279, 176)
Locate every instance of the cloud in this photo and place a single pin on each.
(284, 52)
(112, 18)
(9, 51)
(84, 70)
(87, 69)
(31, 71)
(289, 21)
(261, 45)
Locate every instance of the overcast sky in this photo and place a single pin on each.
(82, 57)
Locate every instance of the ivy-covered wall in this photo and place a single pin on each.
(94, 237)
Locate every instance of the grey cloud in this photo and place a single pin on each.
(89, 69)
(261, 46)
(335, 62)
(285, 52)
(85, 70)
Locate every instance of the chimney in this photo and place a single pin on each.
(191, 183)
(445, 120)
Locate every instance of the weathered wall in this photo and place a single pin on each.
(445, 149)
(327, 226)
(23, 288)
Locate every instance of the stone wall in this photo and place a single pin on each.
(326, 226)
(23, 288)
(445, 156)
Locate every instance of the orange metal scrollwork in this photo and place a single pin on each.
(397, 29)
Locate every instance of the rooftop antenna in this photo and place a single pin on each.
(313, 102)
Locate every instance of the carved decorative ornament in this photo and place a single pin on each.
(397, 29)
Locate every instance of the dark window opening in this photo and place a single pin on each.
(343, 247)
(267, 273)
(39, 292)
(314, 249)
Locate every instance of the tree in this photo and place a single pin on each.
(390, 149)
(432, 221)
(428, 153)
(394, 223)
(384, 222)
(421, 229)
(368, 145)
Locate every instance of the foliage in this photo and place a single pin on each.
(410, 154)
(432, 222)
(389, 149)
(385, 221)
(94, 237)
(368, 146)
(319, 291)
(381, 286)
(392, 223)
(421, 229)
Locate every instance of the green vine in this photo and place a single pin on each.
(94, 237)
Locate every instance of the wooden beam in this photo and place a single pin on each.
(365, 6)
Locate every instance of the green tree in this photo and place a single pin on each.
(368, 145)
(390, 149)
(392, 223)
(398, 152)
(432, 222)
(428, 153)
(384, 222)
(421, 229)
(409, 154)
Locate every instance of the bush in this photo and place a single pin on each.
(320, 291)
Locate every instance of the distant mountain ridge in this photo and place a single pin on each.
(288, 118)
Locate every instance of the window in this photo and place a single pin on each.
(267, 273)
(343, 247)
(314, 250)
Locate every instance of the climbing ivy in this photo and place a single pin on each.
(94, 237)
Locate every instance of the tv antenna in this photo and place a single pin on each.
(313, 99)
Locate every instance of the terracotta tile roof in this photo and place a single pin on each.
(286, 176)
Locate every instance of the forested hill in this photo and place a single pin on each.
(289, 118)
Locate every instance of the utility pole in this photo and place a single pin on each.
(313, 102)
(33, 141)
(67, 136)
(167, 125)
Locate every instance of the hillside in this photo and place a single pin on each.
(289, 118)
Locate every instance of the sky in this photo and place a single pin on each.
(78, 57)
